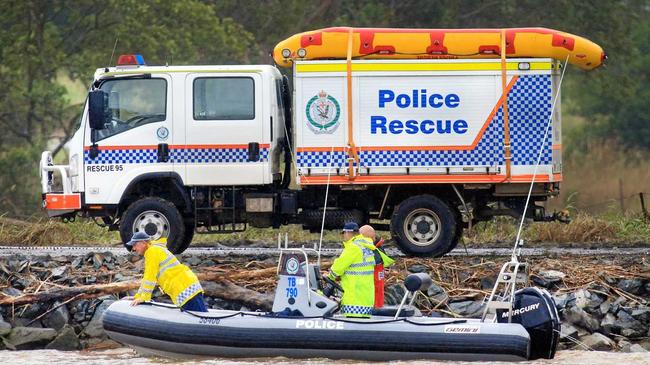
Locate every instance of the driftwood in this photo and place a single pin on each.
(215, 284)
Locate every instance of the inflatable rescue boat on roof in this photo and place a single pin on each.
(387, 43)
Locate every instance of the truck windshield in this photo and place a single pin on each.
(133, 103)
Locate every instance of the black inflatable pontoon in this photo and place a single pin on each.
(520, 329)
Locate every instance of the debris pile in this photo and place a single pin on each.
(56, 302)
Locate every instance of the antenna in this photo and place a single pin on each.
(113, 53)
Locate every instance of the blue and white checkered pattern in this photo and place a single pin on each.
(356, 309)
(321, 159)
(122, 156)
(529, 107)
(188, 293)
(176, 155)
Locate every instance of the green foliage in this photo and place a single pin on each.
(19, 184)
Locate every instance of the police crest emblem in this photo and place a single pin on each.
(323, 112)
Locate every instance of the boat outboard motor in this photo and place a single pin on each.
(535, 309)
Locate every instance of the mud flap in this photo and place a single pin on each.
(535, 310)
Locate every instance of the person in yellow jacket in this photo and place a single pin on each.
(355, 267)
(162, 268)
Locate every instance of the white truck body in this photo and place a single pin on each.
(418, 121)
(199, 147)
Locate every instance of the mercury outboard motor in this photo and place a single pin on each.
(535, 309)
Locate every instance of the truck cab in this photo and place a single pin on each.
(158, 131)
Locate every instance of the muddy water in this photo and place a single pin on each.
(124, 356)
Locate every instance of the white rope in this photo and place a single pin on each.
(327, 189)
(539, 161)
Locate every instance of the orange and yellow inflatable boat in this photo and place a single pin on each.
(386, 43)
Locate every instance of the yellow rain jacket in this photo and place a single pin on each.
(356, 268)
(163, 268)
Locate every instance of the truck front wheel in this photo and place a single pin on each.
(424, 225)
(156, 217)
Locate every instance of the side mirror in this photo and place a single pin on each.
(98, 112)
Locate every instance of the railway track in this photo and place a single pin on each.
(220, 250)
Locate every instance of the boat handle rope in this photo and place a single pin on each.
(242, 314)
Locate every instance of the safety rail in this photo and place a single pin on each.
(47, 168)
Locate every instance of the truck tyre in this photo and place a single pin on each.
(424, 225)
(156, 217)
(187, 239)
(457, 236)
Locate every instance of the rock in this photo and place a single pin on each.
(94, 327)
(59, 272)
(561, 301)
(632, 286)
(57, 318)
(434, 290)
(646, 287)
(76, 263)
(193, 261)
(392, 295)
(628, 326)
(605, 306)
(548, 278)
(487, 282)
(607, 324)
(98, 260)
(567, 330)
(28, 338)
(596, 341)
(637, 348)
(467, 308)
(581, 318)
(417, 268)
(645, 343)
(66, 340)
(641, 314)
(624, 345)
(12, 291)
(581, 298)
(32, 311)
(5, 327)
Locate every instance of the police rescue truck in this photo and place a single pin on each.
(422, 147)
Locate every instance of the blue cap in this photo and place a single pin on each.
(350, 227)
(137, 237)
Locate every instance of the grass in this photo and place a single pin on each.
(585, 230)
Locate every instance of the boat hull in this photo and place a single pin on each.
(162, 330)
(387, 43)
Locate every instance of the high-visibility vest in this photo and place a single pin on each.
(355, 267)
(163, 269)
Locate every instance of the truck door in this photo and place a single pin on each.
(223, 130)
(135, 142)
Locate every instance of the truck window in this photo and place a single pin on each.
(133, 103)
(224, 98)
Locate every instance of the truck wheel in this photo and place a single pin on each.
(156, 217)
(189, 235)
(457, 236)
(424, 225)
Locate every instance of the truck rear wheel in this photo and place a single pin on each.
(156, 217)
(424, 225)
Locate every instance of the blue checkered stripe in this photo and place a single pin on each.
(122, 156)
(488, 152)
(321, 159)
(356, 309)
(214, 155)
(529, 107)
(188, 293)
(176, 155)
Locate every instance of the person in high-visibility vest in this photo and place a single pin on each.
(162, 268)
(355, 268)
(382, 261)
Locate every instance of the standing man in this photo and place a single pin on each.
(161, 267)
(382, 261)
(355, 269)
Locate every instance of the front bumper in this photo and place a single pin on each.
(57, 202)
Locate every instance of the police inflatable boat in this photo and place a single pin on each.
(304, 324)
